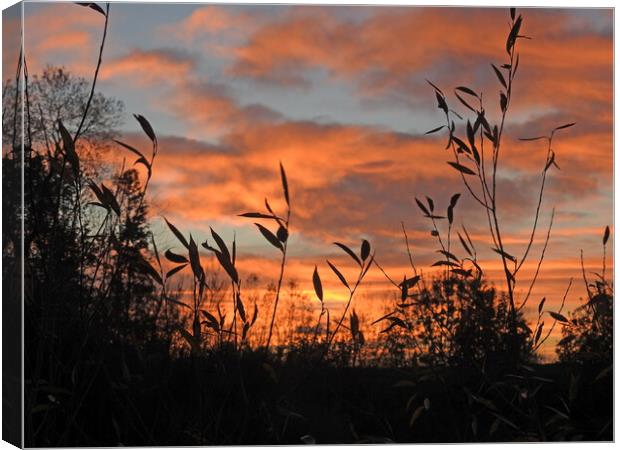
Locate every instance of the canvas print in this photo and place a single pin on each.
(293, 224)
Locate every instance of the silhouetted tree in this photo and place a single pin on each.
(588, 334)
(56, 94)
(458, 321)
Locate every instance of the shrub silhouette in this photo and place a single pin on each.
(461, 322)
(587, 334)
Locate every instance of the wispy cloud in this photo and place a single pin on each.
(150, 66)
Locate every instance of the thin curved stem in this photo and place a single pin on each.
(279, 285)
(537, 214)
(92, 88)
(363, 271)
(540, 260)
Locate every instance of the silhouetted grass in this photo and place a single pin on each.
(117, 351)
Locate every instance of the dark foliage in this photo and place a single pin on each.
(460, 322)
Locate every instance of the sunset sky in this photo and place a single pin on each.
(338, 94)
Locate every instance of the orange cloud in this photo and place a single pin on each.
(203, 104)
(72, 34)
(150, 66)
(399, 42)
(62, 40)
(208, 19)
(211, 19)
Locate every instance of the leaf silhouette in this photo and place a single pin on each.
(454, 199)
(514, 71)
(284, 185)
(422, 207)
(268, 206)
(175, 257)
(316, 281)
(365, 250)
(146, 127)
(431, 204)
(461, 168)
(504, 254)
(500, 76)
(339, 275)
(110, 199)
(435, 87)
(557, 316)
(539, 332)
(464, 244)
(503, 101)
(541, 304)
(410, 282)
(98, 193)
(149, 270)
(146, 164)
(467, 91)
(441, 103)
(534, 138)
(561, 127)
(354, 324)
(443, 262)
(349, 252)
(462, 100)
(606, 235)
(257, 215)
(171, 272)
(213, 322)
(282, 234)
(514, 32)
(69, 148)
(404, 290)
(471, 136)
(92, 6)
(240, 308)
(223, 256)
(465, 273)
(271, 238)
(233, 257)
(130, 148)
(227, 265)
(221, 244)
(156, 251)
(194, 259)
(178, 234)
(255, 314)
(461, 145)
(435, 130)
(448, 255)
(395, 322)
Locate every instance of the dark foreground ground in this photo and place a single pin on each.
(232, 400)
